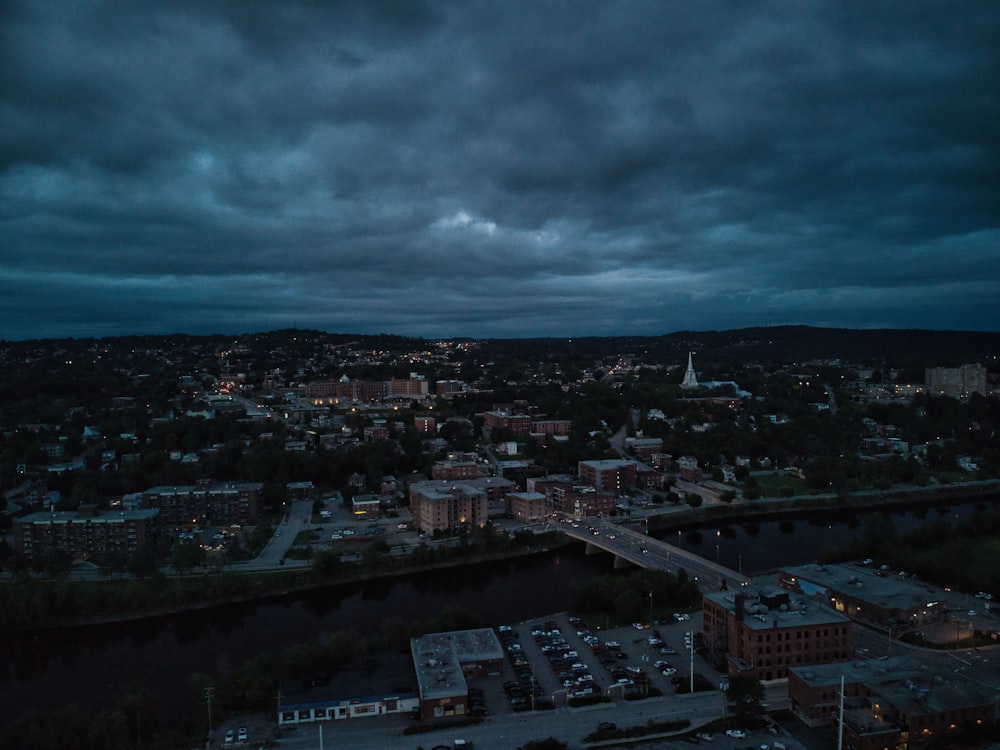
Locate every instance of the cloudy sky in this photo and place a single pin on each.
(497, 169)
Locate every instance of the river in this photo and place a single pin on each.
(94, 665)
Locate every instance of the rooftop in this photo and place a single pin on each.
(438, 659)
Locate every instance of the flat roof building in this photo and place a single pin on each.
(442, 662)
(891, 701)
(876, 597)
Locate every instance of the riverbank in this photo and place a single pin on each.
(866, 500)
(226, 587)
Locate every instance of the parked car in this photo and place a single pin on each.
(242, 735)
(230, 736)
(737, 734)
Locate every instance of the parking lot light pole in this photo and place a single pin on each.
(651, 609)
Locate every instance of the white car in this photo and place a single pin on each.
(242, 735)
(230, 736)
(737, 734)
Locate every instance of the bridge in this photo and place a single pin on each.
(632, 547)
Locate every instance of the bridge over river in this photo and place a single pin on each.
(630, 546)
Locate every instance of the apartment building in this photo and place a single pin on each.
(609, 475)
(205, 503)
(443, 505)
(765, 633)
(84, 533)
(957, 382)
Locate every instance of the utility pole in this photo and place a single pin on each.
(209, 694)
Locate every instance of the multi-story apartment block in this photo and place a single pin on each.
(957, 382)
(84, 533)
(205, 502)
(451, 504)
(611, 475)
(766, 634)
(444, 506)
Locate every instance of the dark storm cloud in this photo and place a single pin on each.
(497, 169)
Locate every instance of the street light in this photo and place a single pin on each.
(650, 608)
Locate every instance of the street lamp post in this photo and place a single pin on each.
(651, 608)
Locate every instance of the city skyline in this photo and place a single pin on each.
(512, 170)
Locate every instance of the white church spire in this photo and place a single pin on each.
(690, 379)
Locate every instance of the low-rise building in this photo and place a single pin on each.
(883, 599)
(889, 702)
(444, 660)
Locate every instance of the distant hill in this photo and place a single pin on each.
(901, 347)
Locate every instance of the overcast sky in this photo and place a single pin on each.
(497, 169)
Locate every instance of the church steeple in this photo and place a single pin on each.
(690, 379)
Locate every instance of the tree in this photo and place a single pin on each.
(745, 698)
(693, 499)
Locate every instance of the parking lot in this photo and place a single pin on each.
(564, 661)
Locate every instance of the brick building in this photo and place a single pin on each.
(891, 702)
(519, 424)
(765, 633)
(526, 506)
(443, 661)
(566, 496)
(610, 475)
(425, 425)
(456, 470)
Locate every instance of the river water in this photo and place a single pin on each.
(93, 666)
